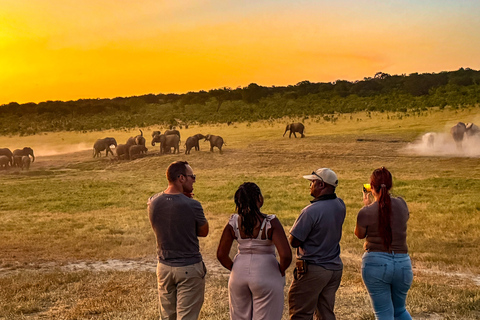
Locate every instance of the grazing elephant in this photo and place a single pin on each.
(295, 127)
(27, 151)
(193, 142)
(138, 140)
(25, 162)
(103, 144)
(122, 151)
(167, 142)
(8, 153)
(4, 161)
(136, 151)
(215, 141)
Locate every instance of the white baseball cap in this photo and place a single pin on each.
(324, 174)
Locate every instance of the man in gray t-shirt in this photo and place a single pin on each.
(316, 234)
(177, 221)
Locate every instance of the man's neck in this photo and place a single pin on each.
(173, 189)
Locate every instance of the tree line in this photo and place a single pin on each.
(382, 92)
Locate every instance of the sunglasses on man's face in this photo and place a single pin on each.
(191, 176)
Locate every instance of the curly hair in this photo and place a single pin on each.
(246, 198)
(381, 181)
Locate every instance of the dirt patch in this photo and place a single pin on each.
(214, 268)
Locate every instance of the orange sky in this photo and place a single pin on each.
(69, 50)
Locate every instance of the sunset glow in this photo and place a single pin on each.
(68, 50)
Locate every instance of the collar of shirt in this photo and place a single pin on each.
(325, 197)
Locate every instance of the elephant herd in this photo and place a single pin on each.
(135, 146)
(18, 158)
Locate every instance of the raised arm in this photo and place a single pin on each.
(281, 243)
(224, 246)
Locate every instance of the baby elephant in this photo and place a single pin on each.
(4, 161)
(17, 161)
(137, 151)
(26, 162)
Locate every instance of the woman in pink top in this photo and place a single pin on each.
(255, 287)
(386, 266)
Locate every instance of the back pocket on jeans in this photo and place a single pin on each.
(373, 271)
(407, 275)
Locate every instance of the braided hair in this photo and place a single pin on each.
(381, 181)
(246, 199)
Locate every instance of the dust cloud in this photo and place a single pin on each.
(61, 149)
(442, 144)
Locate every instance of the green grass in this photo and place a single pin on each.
(71, 208)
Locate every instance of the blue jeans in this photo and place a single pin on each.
(388, 276)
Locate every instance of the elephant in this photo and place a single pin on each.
(103, 144)
(295, 127)
(27, 151)
(156, 133)
(167, 141)
(472, 129)
(122, 151)
(174, 131)
(429, 139)
(461, 129)
(4, 161)
(25, 162)
(136, 151)
(17, 161)
(138, 140)
(193, 142)
(215, 141)
(8, 153)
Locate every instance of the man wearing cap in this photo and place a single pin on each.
(316, 234)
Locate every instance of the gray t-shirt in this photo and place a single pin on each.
(174, 219)
(319, 227)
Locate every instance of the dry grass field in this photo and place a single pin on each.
(76, 241)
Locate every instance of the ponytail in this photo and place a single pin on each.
(381, 181)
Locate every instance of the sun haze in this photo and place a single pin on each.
(69, 50)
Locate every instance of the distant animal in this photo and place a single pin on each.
(167, 142)
(25, 162)
(8, 153)
(215, 141)
(17, 161)
(461, 129)
(193, 142)
(138, 140)
(4, 161)
(136, 151)
(173, 131)
(122, 151)
(429, 139)
(27, 151)
(471, 129)
(295, 127)
(103, 144)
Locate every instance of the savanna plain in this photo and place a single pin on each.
(76, 242)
